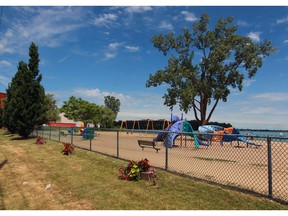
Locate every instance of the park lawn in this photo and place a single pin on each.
(39, 177)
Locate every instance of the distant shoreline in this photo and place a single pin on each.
(262, 130)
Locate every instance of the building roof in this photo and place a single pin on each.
(3, 95)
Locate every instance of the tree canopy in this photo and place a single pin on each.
(24, 107)
(1, 117)
(112, 103)
(78, 109)
(227, 58)
(52, 111)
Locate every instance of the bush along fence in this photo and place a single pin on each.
(258, 165)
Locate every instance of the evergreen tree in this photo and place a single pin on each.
(1, 117)
(24, 107)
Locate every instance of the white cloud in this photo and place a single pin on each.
(50, 27)
(109, 55)
(9, 33)
(88, 92)
(242, 23)
(5, 46)
(5, 63)
(132, 48)
(138, 9)
(258, 110)
(53, 24)
(98, 94)
(166, 26)
(249, 82)
(114, 46)
(105, 19)
(188, 16)
(111, 51)
(136, 115)
(255, 36)
(63, 59)
(283, 20)
(273, 96)
(285, 41)
(4, 80)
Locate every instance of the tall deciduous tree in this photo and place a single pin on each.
(112, 103)
(24, 107)
(107, 117)
(225, 59)
(52, 113)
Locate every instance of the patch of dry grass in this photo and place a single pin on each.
(87, 180)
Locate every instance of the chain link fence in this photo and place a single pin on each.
(260, 167)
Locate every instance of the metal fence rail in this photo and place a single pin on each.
(261, 168)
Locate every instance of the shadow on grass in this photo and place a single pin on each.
(3, 163)
(2, 205)
(21, 138)
(17, 138)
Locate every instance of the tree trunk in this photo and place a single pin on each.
(203, 109)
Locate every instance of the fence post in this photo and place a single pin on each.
(90, 136)
(270, 195)
(166, 158)
(59, 134)
(71, 136)
(50, 133)
(117, 143)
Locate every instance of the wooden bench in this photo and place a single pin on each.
(149, 144)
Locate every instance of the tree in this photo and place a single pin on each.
(225, 57)
(8, 109)
(24, 107)
(107, 117)
(1, 117)
(52, 113)
(112, 103)
(78, 109)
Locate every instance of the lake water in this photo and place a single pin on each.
(265, 133)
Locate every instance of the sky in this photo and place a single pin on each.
(92, 51)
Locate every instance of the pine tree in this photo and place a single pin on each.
(24, 107)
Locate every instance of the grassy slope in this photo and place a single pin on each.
(88, 180)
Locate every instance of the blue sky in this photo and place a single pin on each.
(94, 51)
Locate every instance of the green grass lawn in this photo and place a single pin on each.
(88, 180)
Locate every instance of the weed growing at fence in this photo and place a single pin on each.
(215, 159)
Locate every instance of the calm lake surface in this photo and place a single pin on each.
(275, 133)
